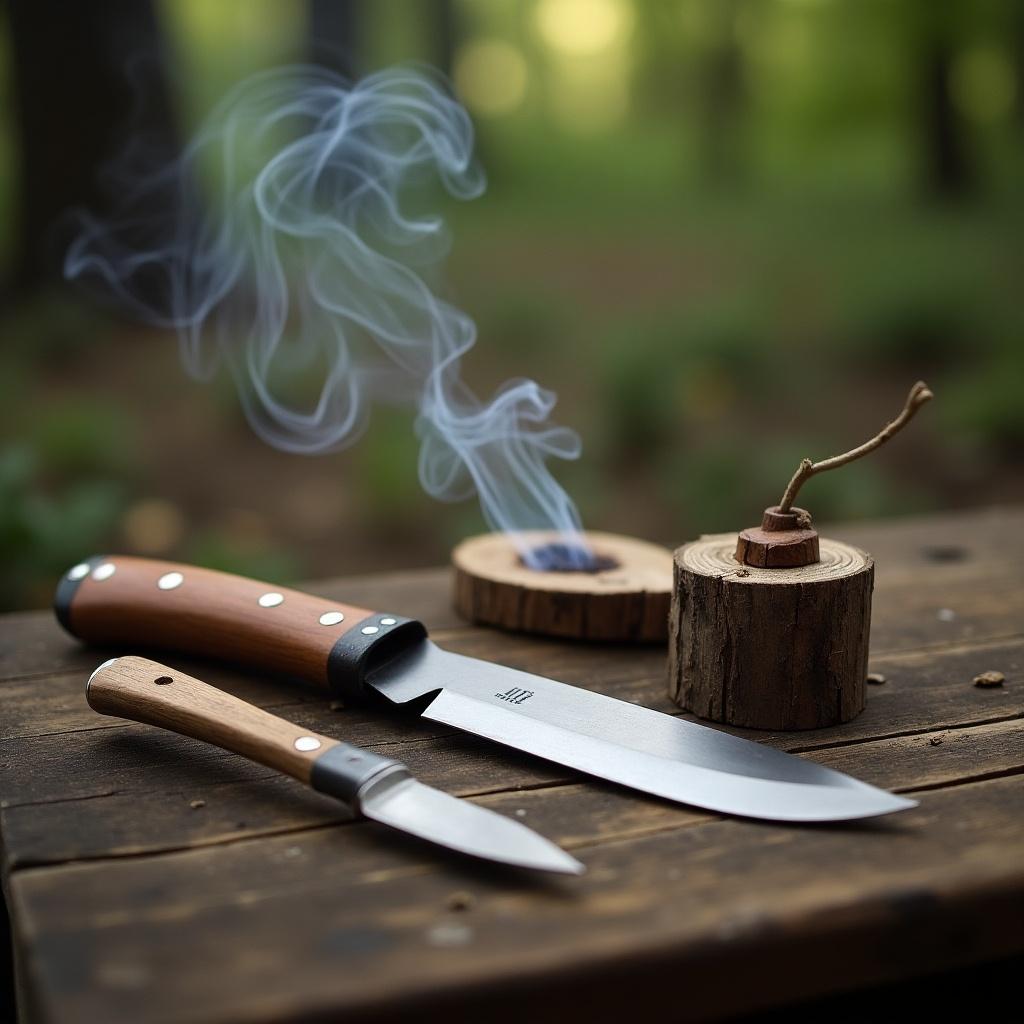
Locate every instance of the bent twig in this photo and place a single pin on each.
(919, 394)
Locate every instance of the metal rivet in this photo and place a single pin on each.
(271, 600)
(388, 621)
(370, 630)
(77, 572)
(170, 580)
(331, 618)
(104, 571)
(307, 743)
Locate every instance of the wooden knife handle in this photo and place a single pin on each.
(148, 692)
(119, 600)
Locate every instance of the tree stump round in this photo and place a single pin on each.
(625, 599)
(770, 648)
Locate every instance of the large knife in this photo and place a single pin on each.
(386, 660)
(372, 786)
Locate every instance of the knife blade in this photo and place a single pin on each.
(387, 661)
(375, 787)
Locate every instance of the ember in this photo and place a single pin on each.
(561, 557)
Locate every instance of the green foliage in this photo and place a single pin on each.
(52, 327)
(385, 468)
(681, 372)
(688, 323)
(725, 484)
(986, 404)
(81, 437)
(43, 531)
(216, 549)
(519, 326)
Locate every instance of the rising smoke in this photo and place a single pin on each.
(290, 246)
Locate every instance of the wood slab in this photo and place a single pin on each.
(151, 878)
(624, 598)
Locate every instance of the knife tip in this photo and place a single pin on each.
(566, 865)
(576, 867)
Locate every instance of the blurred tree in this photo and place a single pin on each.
(721, 97)
(442, 34)
(81, 70)
(948, 171)
(334, 35)
(663, 57)
(1017, 42)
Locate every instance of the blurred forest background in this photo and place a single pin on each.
(729, 233)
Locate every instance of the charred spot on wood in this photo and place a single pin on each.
(461, 900)
(944, 553)
(560, 557)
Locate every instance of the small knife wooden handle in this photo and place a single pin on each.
(146, 691)
(119, 600)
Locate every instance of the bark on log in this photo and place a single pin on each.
(770, 648)
(627, 602)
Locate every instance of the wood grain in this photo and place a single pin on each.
(146, 691)
(265, 901)
(299, 927)
(770, 648)
(69, 808)
(626, 602)
(212, 614)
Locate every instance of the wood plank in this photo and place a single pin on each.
(987, 602)
(230, 898)
(339, 922)
(95, 779)
(911, 583)
(914, 611)
(976, 534)
(40, 706)
(148, 805)
(940, 678)
(927, 690)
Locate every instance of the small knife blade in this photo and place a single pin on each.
(386, 661)
(376, 787)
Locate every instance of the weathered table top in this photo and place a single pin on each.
(153, 878)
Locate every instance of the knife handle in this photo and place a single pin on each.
(153, 694)
(122, 600)
(146, 691)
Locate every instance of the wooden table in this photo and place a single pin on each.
(152, 878)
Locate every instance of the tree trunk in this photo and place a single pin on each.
(82, 73)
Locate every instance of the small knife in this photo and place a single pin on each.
(386, 661)
(375, 787)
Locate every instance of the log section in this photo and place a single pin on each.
(783, 648)
(626, 601)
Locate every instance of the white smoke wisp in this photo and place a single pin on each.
(287, 250)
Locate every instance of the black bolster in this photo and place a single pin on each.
(66, 590)
(343, 770)
(358, 653)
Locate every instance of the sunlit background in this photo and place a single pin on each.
(729, 233)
